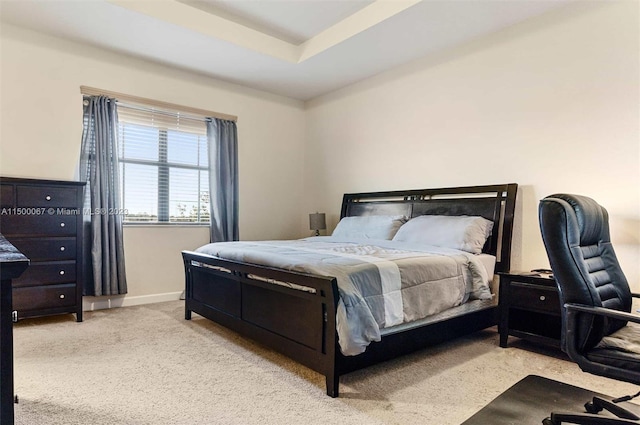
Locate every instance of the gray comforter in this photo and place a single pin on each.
(381, 283)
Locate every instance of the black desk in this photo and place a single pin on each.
(12, 264)
(532, 399)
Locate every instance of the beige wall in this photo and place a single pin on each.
(41, 127)
(551, 104)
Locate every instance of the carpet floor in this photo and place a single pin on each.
(147, 365)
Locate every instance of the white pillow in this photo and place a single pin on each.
(466, 233)
(369, 226)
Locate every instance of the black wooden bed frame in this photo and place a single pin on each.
(299, 320)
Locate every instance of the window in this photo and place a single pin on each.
(164, 168)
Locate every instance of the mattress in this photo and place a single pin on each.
(382, 284)
(489, 263)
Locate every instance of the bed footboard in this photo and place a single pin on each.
(292, 313)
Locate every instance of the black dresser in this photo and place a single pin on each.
(43, 220)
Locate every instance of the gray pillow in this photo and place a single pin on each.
(369, 226)
(466, 233)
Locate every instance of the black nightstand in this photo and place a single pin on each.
(529, 308)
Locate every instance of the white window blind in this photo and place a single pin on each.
(164, 169)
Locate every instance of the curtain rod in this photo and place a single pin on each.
(91, 91)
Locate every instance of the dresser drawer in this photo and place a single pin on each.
(534, 297)
(47, 274)
(43, 249)
(46, 196)
(38, 225)
(6, 196)
(41, 297)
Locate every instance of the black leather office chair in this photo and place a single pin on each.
(597, 326)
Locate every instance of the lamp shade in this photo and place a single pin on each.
(317, 221)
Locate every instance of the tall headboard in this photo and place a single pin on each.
(493, 202)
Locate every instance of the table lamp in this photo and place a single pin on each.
(317, 222)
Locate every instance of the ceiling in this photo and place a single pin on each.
(296, 48)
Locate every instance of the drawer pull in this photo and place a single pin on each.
(61, 296)
(61, 272)
(14, 316)
(48, 198)
(542, 298)
(61, 248)
(61, 224)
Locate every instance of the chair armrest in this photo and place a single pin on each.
(601, 311)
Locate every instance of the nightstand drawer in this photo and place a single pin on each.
(533, 297)
(38, 297)
(46, 196)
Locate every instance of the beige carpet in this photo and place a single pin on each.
(147, 365)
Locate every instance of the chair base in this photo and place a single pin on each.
(585, 419)
(593, 407)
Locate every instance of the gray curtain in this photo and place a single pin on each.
(99, 168)
(222, 136)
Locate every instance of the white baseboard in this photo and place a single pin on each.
(114, 301)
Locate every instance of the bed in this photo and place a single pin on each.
(301, 314)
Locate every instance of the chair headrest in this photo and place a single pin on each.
(591, 216)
